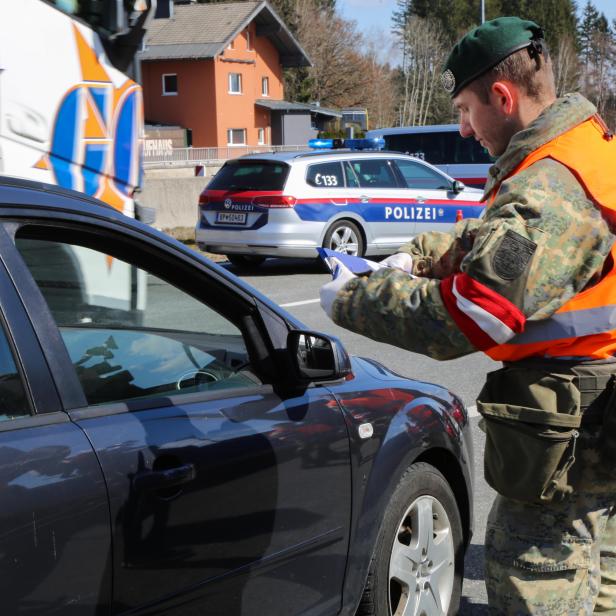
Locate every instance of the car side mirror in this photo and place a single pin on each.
(317, 357)
(457, 186)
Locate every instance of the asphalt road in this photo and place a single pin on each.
(294, 284)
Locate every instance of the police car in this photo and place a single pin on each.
(355, 200)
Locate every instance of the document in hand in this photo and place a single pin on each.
(357, 265)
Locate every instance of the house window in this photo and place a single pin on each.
(170, 84)
(261, 136)
(236, 136)
(265, 86)
(235, 83)
(248, 42)
(231, 45)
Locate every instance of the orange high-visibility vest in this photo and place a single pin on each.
(585, 326)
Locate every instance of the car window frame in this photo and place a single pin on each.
(63, 374)
(393, 168)
(326, 162)
(421, 163)
(41, 392)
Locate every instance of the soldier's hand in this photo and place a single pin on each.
(401, 260)
(341, 275)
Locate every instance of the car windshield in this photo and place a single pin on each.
(250, 175)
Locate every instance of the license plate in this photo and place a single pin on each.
(231, 218)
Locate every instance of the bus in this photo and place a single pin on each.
(443, 146)
(71, 112)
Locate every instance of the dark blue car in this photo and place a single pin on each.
(173, 443)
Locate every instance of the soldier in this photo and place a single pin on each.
(532, 284)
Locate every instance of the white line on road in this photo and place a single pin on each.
(307, 301)
(472, 411)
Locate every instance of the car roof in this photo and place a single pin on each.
(21, 192)
(322, 154)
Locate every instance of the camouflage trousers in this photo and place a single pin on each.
(559, 558)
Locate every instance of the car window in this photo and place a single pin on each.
(13, 400)
(129, 333)
(352, 181)
(374, 173)
(325, 175)
(420, 176)
(250, 175)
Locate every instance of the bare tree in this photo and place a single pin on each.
(566, 64)
(340, 74)
(424, 47)
(381, 98)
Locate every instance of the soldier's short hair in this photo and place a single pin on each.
(532, 72)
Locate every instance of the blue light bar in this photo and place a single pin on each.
(321, 144)
(377, 143)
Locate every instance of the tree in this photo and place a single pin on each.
(381, 98)
(424, 44)
(340, 75)
(566, 65)
(597, 52)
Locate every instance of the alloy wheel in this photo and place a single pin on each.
(422, 562)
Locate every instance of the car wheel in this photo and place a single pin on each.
(344, 236)
(417, 566)
(246, 261)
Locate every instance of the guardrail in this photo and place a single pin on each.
(190, 157)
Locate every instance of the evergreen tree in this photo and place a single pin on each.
(586, 32)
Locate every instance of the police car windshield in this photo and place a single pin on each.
(250, 175)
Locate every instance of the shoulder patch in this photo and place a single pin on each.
(512, 256)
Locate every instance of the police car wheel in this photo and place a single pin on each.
(417, 566)
(344, 236)
(246, 261)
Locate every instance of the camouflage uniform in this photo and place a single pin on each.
(554, 558)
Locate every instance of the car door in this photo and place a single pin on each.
(55, 538)
(226, 495)
(438, 207)
(385, 205)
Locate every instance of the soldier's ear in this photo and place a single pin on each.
(505, 96)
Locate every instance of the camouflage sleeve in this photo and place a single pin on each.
(437, 255)
(390, 306)
(540, 242)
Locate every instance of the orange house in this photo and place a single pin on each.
(216, 69)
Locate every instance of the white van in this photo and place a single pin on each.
(442, 146)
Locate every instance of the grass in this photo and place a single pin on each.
(186, 235)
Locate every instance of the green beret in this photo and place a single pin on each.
(485, 46)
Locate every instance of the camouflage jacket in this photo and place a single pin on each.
(543, 204)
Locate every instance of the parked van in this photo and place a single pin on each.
(443, 146)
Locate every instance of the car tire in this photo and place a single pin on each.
(344, 236)
(245, 261)
(418, 557)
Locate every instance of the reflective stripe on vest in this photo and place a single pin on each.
(585, 326)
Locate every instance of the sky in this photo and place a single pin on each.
(374, 16)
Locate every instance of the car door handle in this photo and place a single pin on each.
(420, 199)
(167, 478)
(364, 198)
(341, 202)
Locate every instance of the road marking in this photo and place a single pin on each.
(307, 301)
(472, 411)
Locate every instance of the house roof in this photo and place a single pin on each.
(199, 31)
(274, 105)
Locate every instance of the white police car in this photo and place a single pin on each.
(353, 200)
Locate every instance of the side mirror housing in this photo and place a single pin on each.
(317, 357)
(457, 186)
